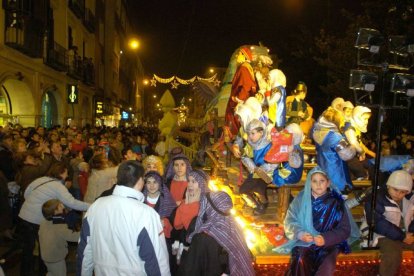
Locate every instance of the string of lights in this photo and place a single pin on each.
(176, 81)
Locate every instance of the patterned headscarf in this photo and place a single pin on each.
(202, 179)
(170, 166)
(166, 204)
(215, 220)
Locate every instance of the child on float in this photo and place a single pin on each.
(318, 225)
(53, 237)
(218, 246)
(157, 195)
(288, 172)
(394, 226)
(177, 176)
(260, 171)
(186, 213)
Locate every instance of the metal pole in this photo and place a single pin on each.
(380, 118)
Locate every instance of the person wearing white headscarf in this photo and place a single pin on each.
(359, 124)
(353, 132)
(246, 112)
(277, 98)
(338, 104)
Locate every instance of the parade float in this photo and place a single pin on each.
(264, 232)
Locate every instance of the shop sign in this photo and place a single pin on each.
(99, 108)
(73, 93)
(125, 115)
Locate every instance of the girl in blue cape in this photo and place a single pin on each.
(319, 227)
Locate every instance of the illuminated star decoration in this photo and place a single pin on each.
(216, 82)
(174, 84)
(154, 82)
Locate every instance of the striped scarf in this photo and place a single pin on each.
(217, 222)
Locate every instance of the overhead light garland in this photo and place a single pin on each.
(176, 81)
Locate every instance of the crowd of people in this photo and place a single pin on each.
(133, 207)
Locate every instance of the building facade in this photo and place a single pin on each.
(55, 63)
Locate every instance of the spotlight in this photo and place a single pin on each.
(403, 83)
(369, 39)
(401, 52)
(363, 80)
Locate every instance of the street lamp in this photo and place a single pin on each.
(133, 44)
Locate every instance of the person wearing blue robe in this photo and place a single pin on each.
(319, 215)
(332, 149)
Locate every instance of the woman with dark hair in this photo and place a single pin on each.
(38, 192)
(217, 243)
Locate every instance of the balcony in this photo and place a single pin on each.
(24, 34)
(81, 69)
(57, 57)
(88, 72)
(18, 6)
(89, 21)
(77, 7)
(75, 65)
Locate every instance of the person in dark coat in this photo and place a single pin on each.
(6, 157)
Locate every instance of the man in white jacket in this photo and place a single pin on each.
(120, 234)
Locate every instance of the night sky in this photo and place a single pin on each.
(186, 37)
